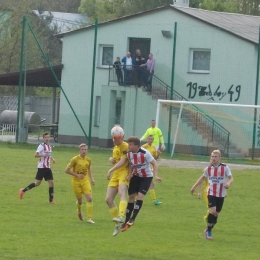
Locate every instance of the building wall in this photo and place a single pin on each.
(233, 64)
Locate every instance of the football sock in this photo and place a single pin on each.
(129, 210)
(137, 207)
(211, 221)
(51, 193)
(30, 186)
(114, 212)
(122, 207)
(89, 207)
(152, 192)
(78, 206)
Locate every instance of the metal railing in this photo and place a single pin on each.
(204, 124)
(8, 129)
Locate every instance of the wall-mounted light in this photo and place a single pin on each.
(166, 34)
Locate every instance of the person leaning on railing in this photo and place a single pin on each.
(118, 69)
(150, 63)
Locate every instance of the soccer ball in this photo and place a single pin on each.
(117, 132)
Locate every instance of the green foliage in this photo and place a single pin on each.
(33, 229)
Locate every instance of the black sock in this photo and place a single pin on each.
(129, 210)
(137, 207)
(212, 220)
(30, 186)
(51, 193)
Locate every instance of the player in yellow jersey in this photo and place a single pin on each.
(79, 168)
(156, 132)
(205, 196)
(151, 148)
(118, 183)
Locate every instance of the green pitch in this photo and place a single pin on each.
(33, 229)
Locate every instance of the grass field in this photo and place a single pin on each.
(33, 229)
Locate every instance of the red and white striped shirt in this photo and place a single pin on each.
(216, 176)
(140, 162)
(44, 162)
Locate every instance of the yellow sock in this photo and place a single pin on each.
(114, 212)
(152, 192)
(122, 208)
(78, 206)
(89, 207)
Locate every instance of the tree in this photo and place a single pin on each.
(105, 10)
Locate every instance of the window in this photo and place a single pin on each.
(97, 111)
(199, 61)
(118, 111)
(105, 55)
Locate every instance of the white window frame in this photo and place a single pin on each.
(192, 50)
(101, 50)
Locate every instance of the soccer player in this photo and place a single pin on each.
(217, 174)
(149, 146)
(205, 196)
(43, 152)
(157, 134)
(79, 169)
(118, 184)
(140, 176)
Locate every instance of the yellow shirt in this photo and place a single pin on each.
(157, 135)
(120, 151)
(80, 165)
(151, 149)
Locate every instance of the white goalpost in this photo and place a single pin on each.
(197, 128)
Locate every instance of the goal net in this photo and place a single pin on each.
(198, 128)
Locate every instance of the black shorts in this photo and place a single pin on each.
(45, 173)
(139, 184)
(215, 202)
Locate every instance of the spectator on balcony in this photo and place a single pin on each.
(118, 69)
(128, 68)
(150, 71)
(139, 74)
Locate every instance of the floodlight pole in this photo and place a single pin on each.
(19, 110)
(92, 84)
(172, 87)
(256, 96)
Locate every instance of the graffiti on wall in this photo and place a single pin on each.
(214, 94)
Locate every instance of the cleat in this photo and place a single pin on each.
(208, 234)
(157, 202)
(80, 216)
(130, 222)
(117, 229)
(125, 227)
(52, 202)
(21, 193)
(119, 219)
(90, 221)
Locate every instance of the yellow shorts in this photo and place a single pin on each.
(81, 187)
(118, 178)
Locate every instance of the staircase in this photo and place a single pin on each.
(215, 134)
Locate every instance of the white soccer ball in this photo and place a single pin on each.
(117, 132)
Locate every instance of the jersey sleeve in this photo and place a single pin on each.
(149, 157)
(205, 172)
(227, 171)
(160, 136)
(72, 163)
(124, 151)
(39, 149)
(145, 135)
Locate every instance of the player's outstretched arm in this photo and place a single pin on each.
(115, 167)
(199, 182)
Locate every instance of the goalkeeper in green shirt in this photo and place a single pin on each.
(158, 141)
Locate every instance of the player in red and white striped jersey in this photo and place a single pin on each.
(217, 174)
(43, 152)
(140, 176)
